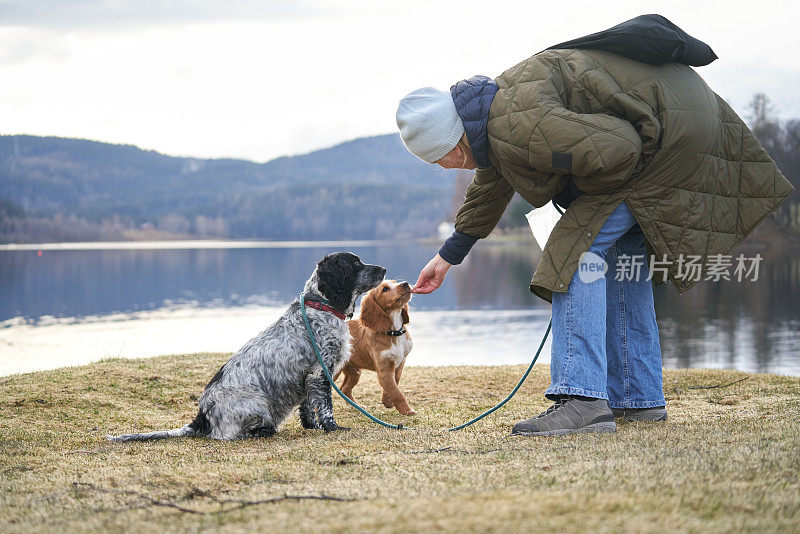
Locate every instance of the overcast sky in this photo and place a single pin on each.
(257, 79)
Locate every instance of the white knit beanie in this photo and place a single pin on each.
(429, 123)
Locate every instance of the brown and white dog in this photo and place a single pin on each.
(381, 342)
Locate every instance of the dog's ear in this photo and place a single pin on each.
(373, 316)
(336, 280)
(404, 314)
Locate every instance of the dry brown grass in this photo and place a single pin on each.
(728, 458)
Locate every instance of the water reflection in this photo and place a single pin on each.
(752, 325)
(747, 325)
(68, 283)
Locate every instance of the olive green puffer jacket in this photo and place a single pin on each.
(655, 137)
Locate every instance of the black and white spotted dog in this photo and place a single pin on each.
(277, 370)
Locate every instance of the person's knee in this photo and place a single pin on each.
(601, 248)
(616, 226)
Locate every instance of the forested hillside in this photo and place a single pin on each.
(68, 189)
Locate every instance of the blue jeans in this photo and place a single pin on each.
(605, 335)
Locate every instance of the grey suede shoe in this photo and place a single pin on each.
(631, 415)
(569, 415)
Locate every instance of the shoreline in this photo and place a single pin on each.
(149, 334)
(188, 244)
(442, 338)
(201, 244)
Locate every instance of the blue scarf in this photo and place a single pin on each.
(472, 98)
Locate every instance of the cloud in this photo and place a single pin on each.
(19, 46)
(738, 81)
(258, 79)
(98, 14)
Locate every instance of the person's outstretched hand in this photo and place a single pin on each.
(431, 276)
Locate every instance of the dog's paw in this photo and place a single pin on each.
(387, 402)
(409, 412)
(333, 427)
(309, 425)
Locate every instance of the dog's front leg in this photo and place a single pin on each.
(320, 401)
(392, 396)
(308, 418)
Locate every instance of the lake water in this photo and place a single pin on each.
(68, 305)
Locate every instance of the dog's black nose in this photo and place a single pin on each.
(405, 285)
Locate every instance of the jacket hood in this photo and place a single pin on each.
(472, 98)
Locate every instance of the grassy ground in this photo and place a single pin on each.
(728, 458)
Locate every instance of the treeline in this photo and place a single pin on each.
(296, 212)
(781, 140)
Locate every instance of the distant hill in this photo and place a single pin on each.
(54, 189)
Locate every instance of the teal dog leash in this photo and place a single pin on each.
(400, 426)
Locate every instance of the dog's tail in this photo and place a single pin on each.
(201, 426)
(159, 434)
